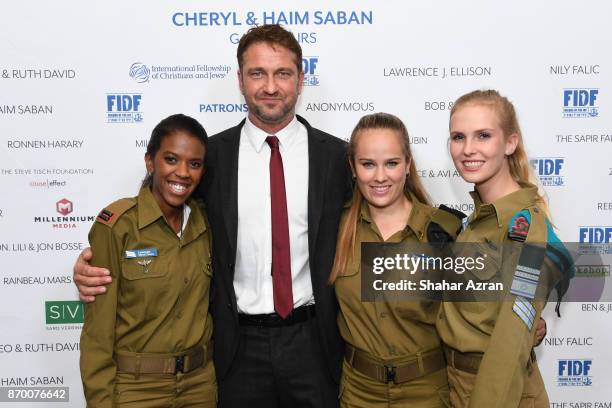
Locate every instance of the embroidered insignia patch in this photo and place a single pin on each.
(518, 227)
(105, 216)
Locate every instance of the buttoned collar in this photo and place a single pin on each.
(417, 221)
(257, 137)
(149, 212)
(506, 206)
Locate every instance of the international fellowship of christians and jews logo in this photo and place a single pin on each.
(140, 72)
(64, 206)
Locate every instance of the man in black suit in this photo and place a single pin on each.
(265, 354)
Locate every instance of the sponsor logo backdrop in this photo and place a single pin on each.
(83, 85)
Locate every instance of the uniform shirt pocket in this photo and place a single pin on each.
(491, 258)
(143, 268)
(144, 290)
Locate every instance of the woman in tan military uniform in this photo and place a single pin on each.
(488, 345)
(393, 355)
(146, 342)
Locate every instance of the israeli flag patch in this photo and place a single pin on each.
(527, 272)
(140, 253)
(525, 281)
(525, 311)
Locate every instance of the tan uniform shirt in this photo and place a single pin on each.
(467, 326)
(155, 304)
(493, 328)
(388, 330)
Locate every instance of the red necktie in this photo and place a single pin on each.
(281, 256)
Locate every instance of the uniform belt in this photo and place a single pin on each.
(301, 314)
(468, 362)
(423, 364)
(152, 363)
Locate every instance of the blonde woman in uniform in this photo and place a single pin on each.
(146, 341)
(488, 345)
(389, 205)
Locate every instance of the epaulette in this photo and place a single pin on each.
(109, 215)
(449, 219)
(456, 213)
(444, 225)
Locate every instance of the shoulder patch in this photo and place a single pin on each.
(518, 227)
(110, 214)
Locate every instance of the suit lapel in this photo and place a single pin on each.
(229, 185)
(317, 180)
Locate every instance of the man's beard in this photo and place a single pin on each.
(271, 119)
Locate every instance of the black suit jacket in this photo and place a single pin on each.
(329, 186)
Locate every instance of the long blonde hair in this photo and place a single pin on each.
(520, 169)
(346, 237)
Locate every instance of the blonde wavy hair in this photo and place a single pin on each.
(520, 168)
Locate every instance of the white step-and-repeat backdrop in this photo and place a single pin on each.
(82, 85)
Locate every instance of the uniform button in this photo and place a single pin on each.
(536, 209)
(179, 315)
(186, 280)
(229, 265)
(383, 315)
(229, 305)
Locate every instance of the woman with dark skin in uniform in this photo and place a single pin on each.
(146, 341)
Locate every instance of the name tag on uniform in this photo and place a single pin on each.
(140, 253)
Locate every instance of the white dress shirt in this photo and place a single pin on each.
(252, 277)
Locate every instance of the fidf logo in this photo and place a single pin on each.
(64, 312)
(575, 373)
(309, 65)
(64, 206)
(139, 72)
(549, 170)
(123, 108)
(595, 235)
(580, 103)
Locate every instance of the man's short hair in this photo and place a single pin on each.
(272, 34)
